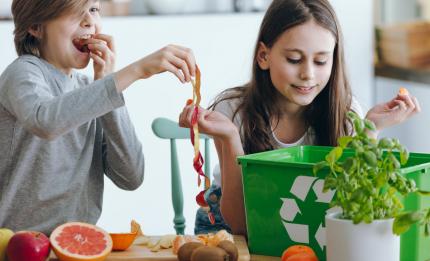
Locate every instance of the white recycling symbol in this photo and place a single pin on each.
(300, 232)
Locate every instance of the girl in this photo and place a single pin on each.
(298, 94)
(59, 130)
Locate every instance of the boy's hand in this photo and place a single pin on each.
(102, 51)
(175, 59)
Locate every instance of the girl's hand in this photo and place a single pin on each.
(176, 59)
(212, 123)
(393, 112)
(102, 51)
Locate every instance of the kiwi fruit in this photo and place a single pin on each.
(185, 251)
(230, 248)
(209, 253)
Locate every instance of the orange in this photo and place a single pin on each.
(76, 241)
(403, 91)
(292, 250)
(122, 241)
(303, 256)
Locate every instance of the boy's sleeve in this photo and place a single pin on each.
(26, 94)
(123, 159)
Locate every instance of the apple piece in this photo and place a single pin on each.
(28, 245)
(5, 235)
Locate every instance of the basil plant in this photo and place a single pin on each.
(368, 182)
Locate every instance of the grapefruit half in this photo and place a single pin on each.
(76, 241)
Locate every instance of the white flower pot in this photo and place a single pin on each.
(369, 242)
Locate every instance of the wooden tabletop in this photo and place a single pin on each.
(264, 258)
(143, 253)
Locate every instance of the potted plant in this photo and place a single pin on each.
(364, 172)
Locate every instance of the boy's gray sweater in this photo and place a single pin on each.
(59, 135)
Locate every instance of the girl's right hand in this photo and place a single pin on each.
(173, 58)
(212, 123)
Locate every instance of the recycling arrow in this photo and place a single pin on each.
(289, 209)
(301, 186)
(320, 236)
(297, 232)
(323, 197)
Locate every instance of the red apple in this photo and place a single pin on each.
(28, 245)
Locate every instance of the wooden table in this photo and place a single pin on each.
(142, 253)
(264, 258)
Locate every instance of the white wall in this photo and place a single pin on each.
(223, 45)
(356, 21)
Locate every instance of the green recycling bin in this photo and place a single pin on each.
(285, 204)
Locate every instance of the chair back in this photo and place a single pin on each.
(168, 129)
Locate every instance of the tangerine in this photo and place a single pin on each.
(293, 250)
(122, 241)
(303, 256)
(403, 91)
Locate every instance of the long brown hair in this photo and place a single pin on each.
(33, 14)
(326, 114)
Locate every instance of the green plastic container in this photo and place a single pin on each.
(285, 204)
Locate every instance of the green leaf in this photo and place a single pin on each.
(380, 180)
(329, 183)
(370, 158)
(423, 193)
(334, 155)
(352, 115)
(385, 143)
(337, 168)
(369, 125)
(349, 164)
(404, 156)
(319, 166)
(358, 126)
(403, 222)
(344, 141)
(427, 229)
(357, 195)
(394, 161)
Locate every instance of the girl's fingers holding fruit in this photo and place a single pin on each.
(417, 104)
(407, 99)
(185, 116)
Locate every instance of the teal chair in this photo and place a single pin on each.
(168, 129)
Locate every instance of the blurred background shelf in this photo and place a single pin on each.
(413, 74)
